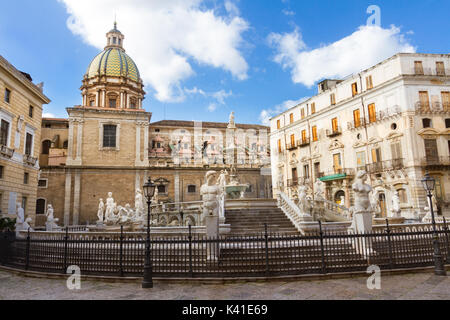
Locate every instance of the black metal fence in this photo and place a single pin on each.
(250, 256)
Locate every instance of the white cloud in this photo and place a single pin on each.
(219, 96)
(365, 47)
(288, 12)
(231, 8)
(48, 115)
(164, 37)
(267, 114)
(212, 107)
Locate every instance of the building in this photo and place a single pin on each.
(108, 144)
(392, 120)
(20, 115)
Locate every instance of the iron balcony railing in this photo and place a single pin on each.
(292, 183)
(28, 159)
(424, 107)
(6, 152)
(387, 165)
(436, 161)
(334, 132)
(378, 116)
(304, 142)
(428, 72)
(290, 146)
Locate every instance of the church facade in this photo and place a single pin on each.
(108, 144)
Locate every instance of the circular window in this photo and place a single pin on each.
(358, 136)
(394, 126)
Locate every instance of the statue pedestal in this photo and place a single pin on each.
(100, 225)
(362, 224)
(212, 232)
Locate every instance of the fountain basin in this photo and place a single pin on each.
(236, 192)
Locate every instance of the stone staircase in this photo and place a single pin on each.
(251, 220)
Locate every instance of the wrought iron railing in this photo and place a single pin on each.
(334, 132)
(436, 161)
(425, 107)
(6, 152)
(197, 256)
(382, 166)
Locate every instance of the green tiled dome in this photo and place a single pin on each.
(113, 62)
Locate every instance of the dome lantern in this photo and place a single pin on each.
(114, 38)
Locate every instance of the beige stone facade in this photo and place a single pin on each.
(21, 113)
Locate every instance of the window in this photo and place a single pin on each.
(304, 136)
(426, 123)
(402, 195)
(334, 125)
(46, 146)
(192, 189)
(249, 189)
(424, 100)
(418, 67)
(431, 151)
(42, 183)
(313, 108)
(302, 112)
(396, 151)
(278, 124)
(2, 169)
(445, 100)
(369, 83)
(292, 140)
(91, 102)
(112, 103)
(40, 206)
(109, 136)
(361, 160)
(314, 133)
(48, 125)
(133, 103)
(356, 118)
(114, 40)
(30, 111)
(291, 118)
(24, 203)
(447, 123)
(372, 113)
(317, 169)
(333, 99)
(354, 89)
(337, 163)
(26, 176)
(4, 132)
(376, 155)
(65, 144)
(279, 146)
(7, 95)
(28, 144)
(440, 70)
(162, 189)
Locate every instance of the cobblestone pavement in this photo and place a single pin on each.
(409, 286)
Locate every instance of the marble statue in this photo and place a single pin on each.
(101, 211)
(231, 123)
(139, 204)
(50, 225)
(111, 208)
(155, 198)
(20, 213)
(126, 214)
(302, 199)
(362, 191)
(374, 202)
(280, 179)
(396, 211)
(428, 218)
(222, 181)
(22, 224)
(319, 190)
(210, 192)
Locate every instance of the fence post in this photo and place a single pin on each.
(27, 252)
(266, 237)
(191, 272)
(121, 251)
(388, 230)
(66, 239)
(447, 260)
(322, 249)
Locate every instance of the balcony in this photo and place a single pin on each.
(356, 124)
(433, 108)
(436, 162)
(29, 160)
(381, 115)
(292, 183)
(6, 152)
(428, 72)
(334, 132)
(383, 166)
(303, 143)
(290, 146)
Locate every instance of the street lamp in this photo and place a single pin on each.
(429, 184)
(149, 191)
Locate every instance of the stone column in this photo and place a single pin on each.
(212, 231)
(121, 100)
(79, 141)
(177, 186)
(138, 144)
(97, 98)
(67, 193)
(104, 99)
(146, 127)
(70, 142)
(76, 199)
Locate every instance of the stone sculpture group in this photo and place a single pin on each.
(112, 214)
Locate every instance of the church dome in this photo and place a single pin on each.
(114, 62)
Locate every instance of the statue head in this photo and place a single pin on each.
(109, 194)
(101, 200)
(210, 175)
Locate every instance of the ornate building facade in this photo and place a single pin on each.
(391, 120)
(108, 144)
(20, 116)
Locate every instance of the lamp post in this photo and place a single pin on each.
(149, 191)
(429, 184)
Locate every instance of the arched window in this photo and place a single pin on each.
(40, 206)
(46, 146)
(402, 195)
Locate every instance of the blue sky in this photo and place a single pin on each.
(255, 56)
